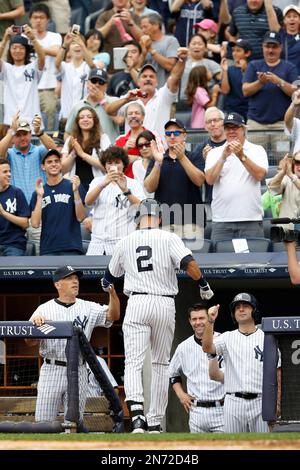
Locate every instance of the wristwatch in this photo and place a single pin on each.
(127, 193)
(244, 158)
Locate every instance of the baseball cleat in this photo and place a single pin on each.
(138, 426)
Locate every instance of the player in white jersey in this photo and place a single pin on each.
(52, 385)
(94, 388)
(204, 398)
(114, 197)
(242, 350)
(148, 258)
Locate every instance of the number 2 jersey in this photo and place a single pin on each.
(148, 258)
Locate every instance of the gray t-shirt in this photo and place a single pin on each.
(167, 46)
(107, 125)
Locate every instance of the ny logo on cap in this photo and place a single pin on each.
(239, 297)
(70, 268)
(272, 35)
(230, 116)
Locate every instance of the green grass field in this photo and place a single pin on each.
(152, 437)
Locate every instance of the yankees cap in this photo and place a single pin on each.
(65, 271)
(234, 118)
(18, 39)
(100, 74)
(243, 43)
(272, 37)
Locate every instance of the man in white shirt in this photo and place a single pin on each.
(39, 17)
(236, 169)
(157, 102)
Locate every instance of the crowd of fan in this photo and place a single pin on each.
(86, 119)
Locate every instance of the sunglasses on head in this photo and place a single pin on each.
(97, 81)
(175, 133)
(297, 162)
(144, 144)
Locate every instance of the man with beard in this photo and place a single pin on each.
(157, 101)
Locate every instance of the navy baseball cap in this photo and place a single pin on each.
(65, 271)
(100, 74)
(243, 43)
(234, 118)
(18, 39)
(272, 37)
(51, 152)
(175, 122)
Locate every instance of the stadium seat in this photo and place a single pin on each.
(207, 230)
(30, 248)
(256, 245)
(184, 117)
(267, 225)
(85, 245)
(201, 246)
(182, 105)
(76, 15)
(96, 8)
(278, 246)
(85, 234)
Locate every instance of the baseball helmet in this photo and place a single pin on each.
(147, 207)
(249, 299)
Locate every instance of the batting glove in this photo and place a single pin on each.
(205, 292)
(105, 285)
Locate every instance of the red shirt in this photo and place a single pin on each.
(121, 142)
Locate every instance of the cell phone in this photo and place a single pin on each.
(142, 94)
(75, 29)
(17, 29)
(114, 168)
(119, 54)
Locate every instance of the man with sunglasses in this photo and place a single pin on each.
(98, 100)
(175, 177)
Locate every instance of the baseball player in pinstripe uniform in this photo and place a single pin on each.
(242, 350)
(148, 258)
(52, 385)
(204, 398)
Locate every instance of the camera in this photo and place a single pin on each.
(75, 29)
(142, 94)
(279, 234)
(17, 29)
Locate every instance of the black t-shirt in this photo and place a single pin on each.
(175, 187)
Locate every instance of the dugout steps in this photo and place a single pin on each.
(20, 409)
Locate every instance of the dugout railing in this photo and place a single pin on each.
(14, 408)
(281, 348)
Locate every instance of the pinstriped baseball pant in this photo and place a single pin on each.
(242, 415)
(149, 320)
(52, 391)
(206, 419)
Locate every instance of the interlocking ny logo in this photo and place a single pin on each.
(11, 206)
(46, 329)
(258, 353)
